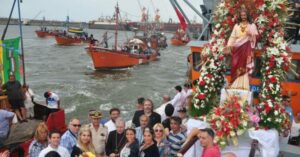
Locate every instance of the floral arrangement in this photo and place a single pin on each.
(275, 61)
(269, 16)
(229, 120)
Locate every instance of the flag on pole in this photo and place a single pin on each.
(181, 18)
(10, 59)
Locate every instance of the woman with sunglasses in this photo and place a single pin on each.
(84, 143)
(160, 139)
(149, 148)
(131, 148)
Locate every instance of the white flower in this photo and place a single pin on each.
(222, 117)
(245, 123)
(222, 143)
(276, 113)
(240, 132)
(232, 133)
(269, 119)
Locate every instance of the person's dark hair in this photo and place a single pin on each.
(178, 88)
(285, 97)
(187, 85)
(114, 109)
(52, 154)
(209, 131)
(130, 129)
(46, 94)
(169, 110)
(140, 100)
(248, 16)
(54, 132)
(176, 119)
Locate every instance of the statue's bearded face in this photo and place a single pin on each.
(244, 16)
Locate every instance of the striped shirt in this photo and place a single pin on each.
(175, 141)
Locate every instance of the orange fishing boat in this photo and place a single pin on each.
(79, 37)
(67, 40)
(113, 59)
(133, 53)
(41, 34)
(178, 42)
(180, 37)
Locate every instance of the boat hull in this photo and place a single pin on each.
(41, 34)
(105, 59)
(177, 42)
(65, 40)
(44, 34)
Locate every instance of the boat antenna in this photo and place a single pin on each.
(8, 21)
(22, 45)
(116, 26)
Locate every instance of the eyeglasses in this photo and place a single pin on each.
(77, 125)
(158, 130)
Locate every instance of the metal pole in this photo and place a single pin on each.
(22, 45)
(116, 27)
(195, 10)
(10, 14)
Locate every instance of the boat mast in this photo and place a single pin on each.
(116, 26)
(8, 21)
(22, 45)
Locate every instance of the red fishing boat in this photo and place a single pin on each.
(44, 32)
(78, 37)
(135, 52)
(181, 37)
(178, 40)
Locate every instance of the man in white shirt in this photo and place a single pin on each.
(114, 113)
(52, 100)
(54, 140)
(178, 101)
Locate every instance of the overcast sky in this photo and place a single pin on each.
(87, 10)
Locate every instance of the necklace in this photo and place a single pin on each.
(118, 144)
(243, 27)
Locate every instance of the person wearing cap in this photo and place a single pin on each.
(15, 97)
(99, 133)
(52, 100)
(178, 101)
(69, 138)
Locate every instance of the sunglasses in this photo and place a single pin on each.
(158, 130)
(77, 125)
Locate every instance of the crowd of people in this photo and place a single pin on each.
(148, 135)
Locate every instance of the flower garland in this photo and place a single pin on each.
(275, 63)
(269, 16)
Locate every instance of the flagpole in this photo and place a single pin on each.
(9, 18)
(21, 36)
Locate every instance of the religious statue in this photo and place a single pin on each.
(241, 42)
